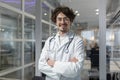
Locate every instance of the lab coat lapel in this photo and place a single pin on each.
(57, 40)
(63, 43)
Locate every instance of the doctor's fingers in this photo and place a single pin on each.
(50, 62)
(73, 60)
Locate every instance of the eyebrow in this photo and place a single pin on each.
(63, 18)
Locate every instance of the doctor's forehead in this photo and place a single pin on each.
(61, 15)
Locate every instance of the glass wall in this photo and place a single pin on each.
(29, 73)
(113, 51)
(30, 6)
(91, 64)
(113, 40)
(10, 24)
(29, 52)
(48, 27)
(45, 12)
(10, 54)
(16, 75)
(13, 3)
(53, 30)
(54, 3)
(45, 31)
(17, 43)
(10, 49)
(29, 28)
(17, 40)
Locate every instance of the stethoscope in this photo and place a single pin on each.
(66, 47)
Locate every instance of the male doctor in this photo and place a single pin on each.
(63, 54)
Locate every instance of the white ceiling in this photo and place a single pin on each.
(86, 8)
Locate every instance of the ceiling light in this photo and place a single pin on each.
(92, 38)
(97, 13)
(3, 30)
(76, 12)
(97, 10)
(45, 14)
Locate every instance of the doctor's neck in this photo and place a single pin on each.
(62, 33)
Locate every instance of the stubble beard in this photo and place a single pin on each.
(62, 31)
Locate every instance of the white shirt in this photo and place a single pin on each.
(63, 69)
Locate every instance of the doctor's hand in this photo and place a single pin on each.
(73, 60)
(51, 62)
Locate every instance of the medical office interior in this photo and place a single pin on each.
(17, 36)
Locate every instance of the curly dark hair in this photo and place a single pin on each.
(65, 10)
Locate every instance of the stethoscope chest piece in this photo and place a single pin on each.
(66, 51)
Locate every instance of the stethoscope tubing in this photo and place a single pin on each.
(67, 46)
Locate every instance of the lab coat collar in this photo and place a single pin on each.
(68, 36)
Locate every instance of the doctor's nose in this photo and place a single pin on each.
(63, 20)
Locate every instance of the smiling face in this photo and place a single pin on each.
(63, 23)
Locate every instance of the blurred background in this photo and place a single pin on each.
(18, 29)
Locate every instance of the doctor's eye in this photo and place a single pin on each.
(63, 19)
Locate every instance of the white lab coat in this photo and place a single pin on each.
(63, 69)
